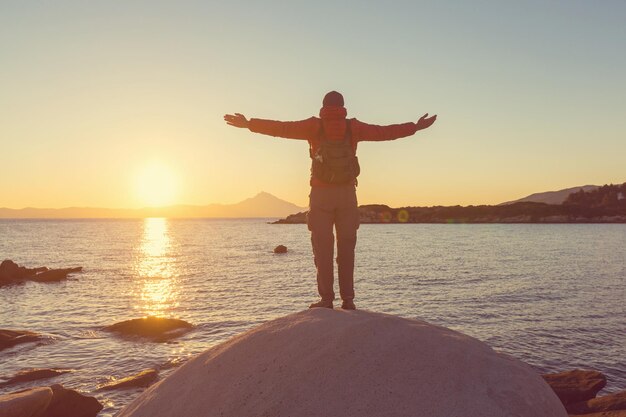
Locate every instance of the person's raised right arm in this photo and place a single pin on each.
(302, 129)
(237, 120)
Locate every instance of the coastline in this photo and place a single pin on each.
(523, 213)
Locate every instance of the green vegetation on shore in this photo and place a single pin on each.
(606, 204)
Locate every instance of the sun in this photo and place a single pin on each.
(156, 185)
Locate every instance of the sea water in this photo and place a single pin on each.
(552, 295)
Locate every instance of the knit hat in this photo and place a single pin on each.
(333, 99)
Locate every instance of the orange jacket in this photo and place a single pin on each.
(334, 120)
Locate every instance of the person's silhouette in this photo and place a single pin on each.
(334, 168)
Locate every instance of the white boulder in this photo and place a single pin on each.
(324, 362)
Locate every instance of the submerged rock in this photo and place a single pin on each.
(54, 401)
(324, 362)
(280, 249)
(27, 375)
(10, 338)
(576, 385)
(144, 378)
(155, 328)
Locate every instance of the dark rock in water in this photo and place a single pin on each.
(11, 270)
(142, 379)
(27, 375)
(11, 273)
(31, 402)
(280, 249)
(155, 328)
(9, 338)
(54, 401)
(575, 386)
(611, 402)
(66, 402)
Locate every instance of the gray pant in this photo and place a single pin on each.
(336, 206)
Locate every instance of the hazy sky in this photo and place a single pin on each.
(97, 96)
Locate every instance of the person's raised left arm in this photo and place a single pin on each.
(368, 132)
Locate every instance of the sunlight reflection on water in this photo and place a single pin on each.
(157, 292)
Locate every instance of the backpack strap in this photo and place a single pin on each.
(321, 135)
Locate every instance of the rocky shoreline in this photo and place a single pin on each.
(513, 213)
(59, 401)
(576, 389)
(369, 364)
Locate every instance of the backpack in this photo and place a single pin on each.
(335, 161)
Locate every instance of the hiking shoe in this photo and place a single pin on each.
(348, 305)
(323, 304)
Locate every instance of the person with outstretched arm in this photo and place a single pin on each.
(332, 142)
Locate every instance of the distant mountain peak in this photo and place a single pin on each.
(265, 202)
(552, 197)
(263, 197)
(265, 194)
